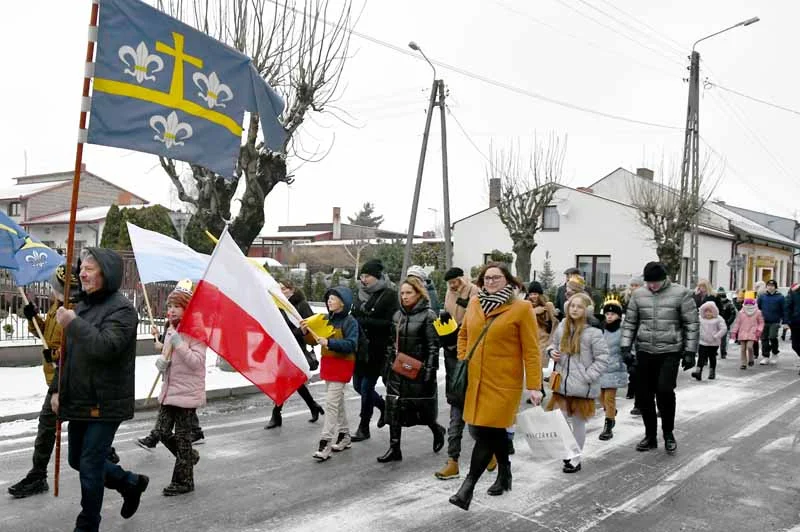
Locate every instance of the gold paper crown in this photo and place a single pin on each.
(750, 294)
(612, 299)
(319, 324)
(61, 274)
(575, 278)
(443, 329)
(185, 286)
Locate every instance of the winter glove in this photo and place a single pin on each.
(429, 374)
(48, 355)
(688, 360)
(162, 364)
(445, 316)
(462, 302)
(627, 356)
(30, 311)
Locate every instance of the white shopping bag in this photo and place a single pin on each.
(548, 434)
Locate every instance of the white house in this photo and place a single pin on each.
(599, 235)
(725, 235)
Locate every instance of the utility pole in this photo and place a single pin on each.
(690, 170)
(690, 179)
(437, 89)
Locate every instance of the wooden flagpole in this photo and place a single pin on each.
(35, 323)
(76, 181)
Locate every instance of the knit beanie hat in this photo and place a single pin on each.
(373, 267)
(453, 273)
(654, 272)
(181, 295)
(576, 284)
(535, 288)
(721, 291)
(612, 304)
(418, 272)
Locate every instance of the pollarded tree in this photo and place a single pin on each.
(528, 182)
(301, 52)
(668, 213)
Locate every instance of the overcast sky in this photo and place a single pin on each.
(631, 65)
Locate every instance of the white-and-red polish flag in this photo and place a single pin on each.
(232, 313)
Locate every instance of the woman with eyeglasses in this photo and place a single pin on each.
(500, 333)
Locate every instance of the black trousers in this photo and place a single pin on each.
(45, 440)
(657, 376)
(707, 354)
(795, 328)
(488, 441)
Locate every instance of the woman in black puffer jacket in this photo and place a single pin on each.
(411, 402)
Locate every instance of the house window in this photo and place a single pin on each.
(14, 208)
(551, 220)
(596, 270)
(712, 272)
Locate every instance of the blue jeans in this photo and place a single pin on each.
(89, 445)
(370, 399)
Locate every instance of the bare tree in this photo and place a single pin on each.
(356, 248)
(664, 210)
(300, 54)
(528, 182)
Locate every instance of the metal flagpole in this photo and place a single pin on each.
(76, 180)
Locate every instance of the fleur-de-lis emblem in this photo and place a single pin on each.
(141, 61)
(37, 260)
(214, 92)
(171, 129)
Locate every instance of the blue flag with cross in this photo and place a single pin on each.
(163, 87)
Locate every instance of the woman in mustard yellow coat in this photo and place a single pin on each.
(506, 356)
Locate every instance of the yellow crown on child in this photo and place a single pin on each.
(612, 299)
(185, 286)
(443, 329)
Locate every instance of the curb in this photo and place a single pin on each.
(139, 406)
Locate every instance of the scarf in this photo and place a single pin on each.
(490, 302)
(613, 326)
(366, 292)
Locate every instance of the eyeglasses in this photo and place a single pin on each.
(493, 278)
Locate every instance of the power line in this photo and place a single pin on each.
(491, 81)
(753, 98)
(622, 22)
(594, 45)
(615, 30)
(666, 38)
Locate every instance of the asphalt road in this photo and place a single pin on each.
(736, 469)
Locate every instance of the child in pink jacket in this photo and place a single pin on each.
(183, 364)
(747, 330)
(712, 330)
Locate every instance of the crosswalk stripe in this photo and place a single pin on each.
(764, 420)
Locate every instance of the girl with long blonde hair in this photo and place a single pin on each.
(581, 356)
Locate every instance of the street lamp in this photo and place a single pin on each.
(690, 170)
(436, 89)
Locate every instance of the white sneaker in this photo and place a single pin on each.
(324, 451)
(773, 360)
(344, 442)
(763, 362)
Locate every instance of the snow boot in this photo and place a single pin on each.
(712, 374)
(698, 373)
(492, 464)
(463, 496)
(607, 434)
(149, 442)
(503, 481)
(450, 470)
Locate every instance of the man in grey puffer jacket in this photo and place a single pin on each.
(662, 319)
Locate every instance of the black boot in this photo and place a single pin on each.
(698, 373)
(148, 442)
(382, 417)
(669, 443)
(510, 444)
(712, 374)
(647, 443)
(463, 496)
(393, 454)
(363, 431)
(276, 420)
(503, 481)
(607, 434)
(439, 432)
(316, 411)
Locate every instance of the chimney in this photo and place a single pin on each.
(646, 173)
(337, 223)
(585, 189)
(494, 192)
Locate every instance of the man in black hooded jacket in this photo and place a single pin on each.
(95, 388)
